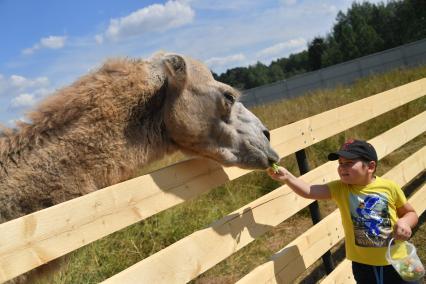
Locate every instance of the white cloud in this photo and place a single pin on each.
(21, 82)
(288, 2)
(99, 39)
(18, 92)
(43, 92)
(23, 100)
(51, 42)
(283, 48)
(330, 9)
(3, 83)
(153, 18)
(318, 8)
(12, 122)
(18, 81)
(225, 5)
(221, 27)
(216, 62)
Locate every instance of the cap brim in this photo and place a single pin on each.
(336, 155)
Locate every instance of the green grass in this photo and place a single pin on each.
(108, 256)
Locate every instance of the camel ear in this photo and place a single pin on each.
(175, 68)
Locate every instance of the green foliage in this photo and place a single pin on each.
(315, 50)
(364, 29)
(260, 74)
(112, 254)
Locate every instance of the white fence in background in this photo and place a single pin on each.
(412, 54)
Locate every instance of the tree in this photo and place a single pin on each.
(365, 28)
(257, 75)
(332, 54)
(276, 73)
(315, 50)
(297, 63)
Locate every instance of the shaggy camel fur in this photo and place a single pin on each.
(99, 130)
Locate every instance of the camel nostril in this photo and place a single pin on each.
(266, 133)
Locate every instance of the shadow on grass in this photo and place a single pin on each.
(235, 224)
(317, 273)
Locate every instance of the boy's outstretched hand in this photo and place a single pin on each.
(278, 173)
(300, 187)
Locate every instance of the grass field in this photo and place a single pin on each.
(108, 256)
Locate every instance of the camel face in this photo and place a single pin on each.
(203, 117)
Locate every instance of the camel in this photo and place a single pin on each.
(100, 129)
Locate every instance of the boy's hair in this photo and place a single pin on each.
(355, 149)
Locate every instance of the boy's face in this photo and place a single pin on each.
(356, 171)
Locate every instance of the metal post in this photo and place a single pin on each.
(302, 162)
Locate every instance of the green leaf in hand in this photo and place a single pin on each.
(275, 167)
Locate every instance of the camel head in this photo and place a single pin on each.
(203, 117)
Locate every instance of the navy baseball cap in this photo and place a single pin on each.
(355, 149)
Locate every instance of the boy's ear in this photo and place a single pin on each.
(372, 165)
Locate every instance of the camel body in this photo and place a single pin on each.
(99, 130)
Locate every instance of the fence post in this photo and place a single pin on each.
(302, 162)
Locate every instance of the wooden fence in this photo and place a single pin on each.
(37, 238)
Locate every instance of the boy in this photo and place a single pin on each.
(369, 205)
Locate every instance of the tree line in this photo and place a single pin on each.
(364, 29)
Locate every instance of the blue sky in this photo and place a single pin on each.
(47, 44)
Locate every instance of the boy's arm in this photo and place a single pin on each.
(407, 220)
(317, 191)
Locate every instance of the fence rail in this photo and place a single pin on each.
(194, 254)
(37, 238)
(287, 264)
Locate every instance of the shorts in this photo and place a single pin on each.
(370, 274)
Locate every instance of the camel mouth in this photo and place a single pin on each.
(271, 156)
(263, 159)
(273, 161)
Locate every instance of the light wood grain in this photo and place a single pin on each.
(289, 263)
(37, 238)
(342, 274)
(194, 254)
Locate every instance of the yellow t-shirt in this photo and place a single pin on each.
(368, 216)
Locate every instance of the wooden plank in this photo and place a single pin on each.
(313, 129)
(409, 167)
(418, 200)
(194, 254)
(343, 272)
(286, 265)
(37, 238)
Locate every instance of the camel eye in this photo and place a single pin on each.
(229, 97)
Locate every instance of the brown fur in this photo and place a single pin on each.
(99, 130)
(81, 138)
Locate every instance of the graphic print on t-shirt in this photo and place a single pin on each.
(371, 219)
